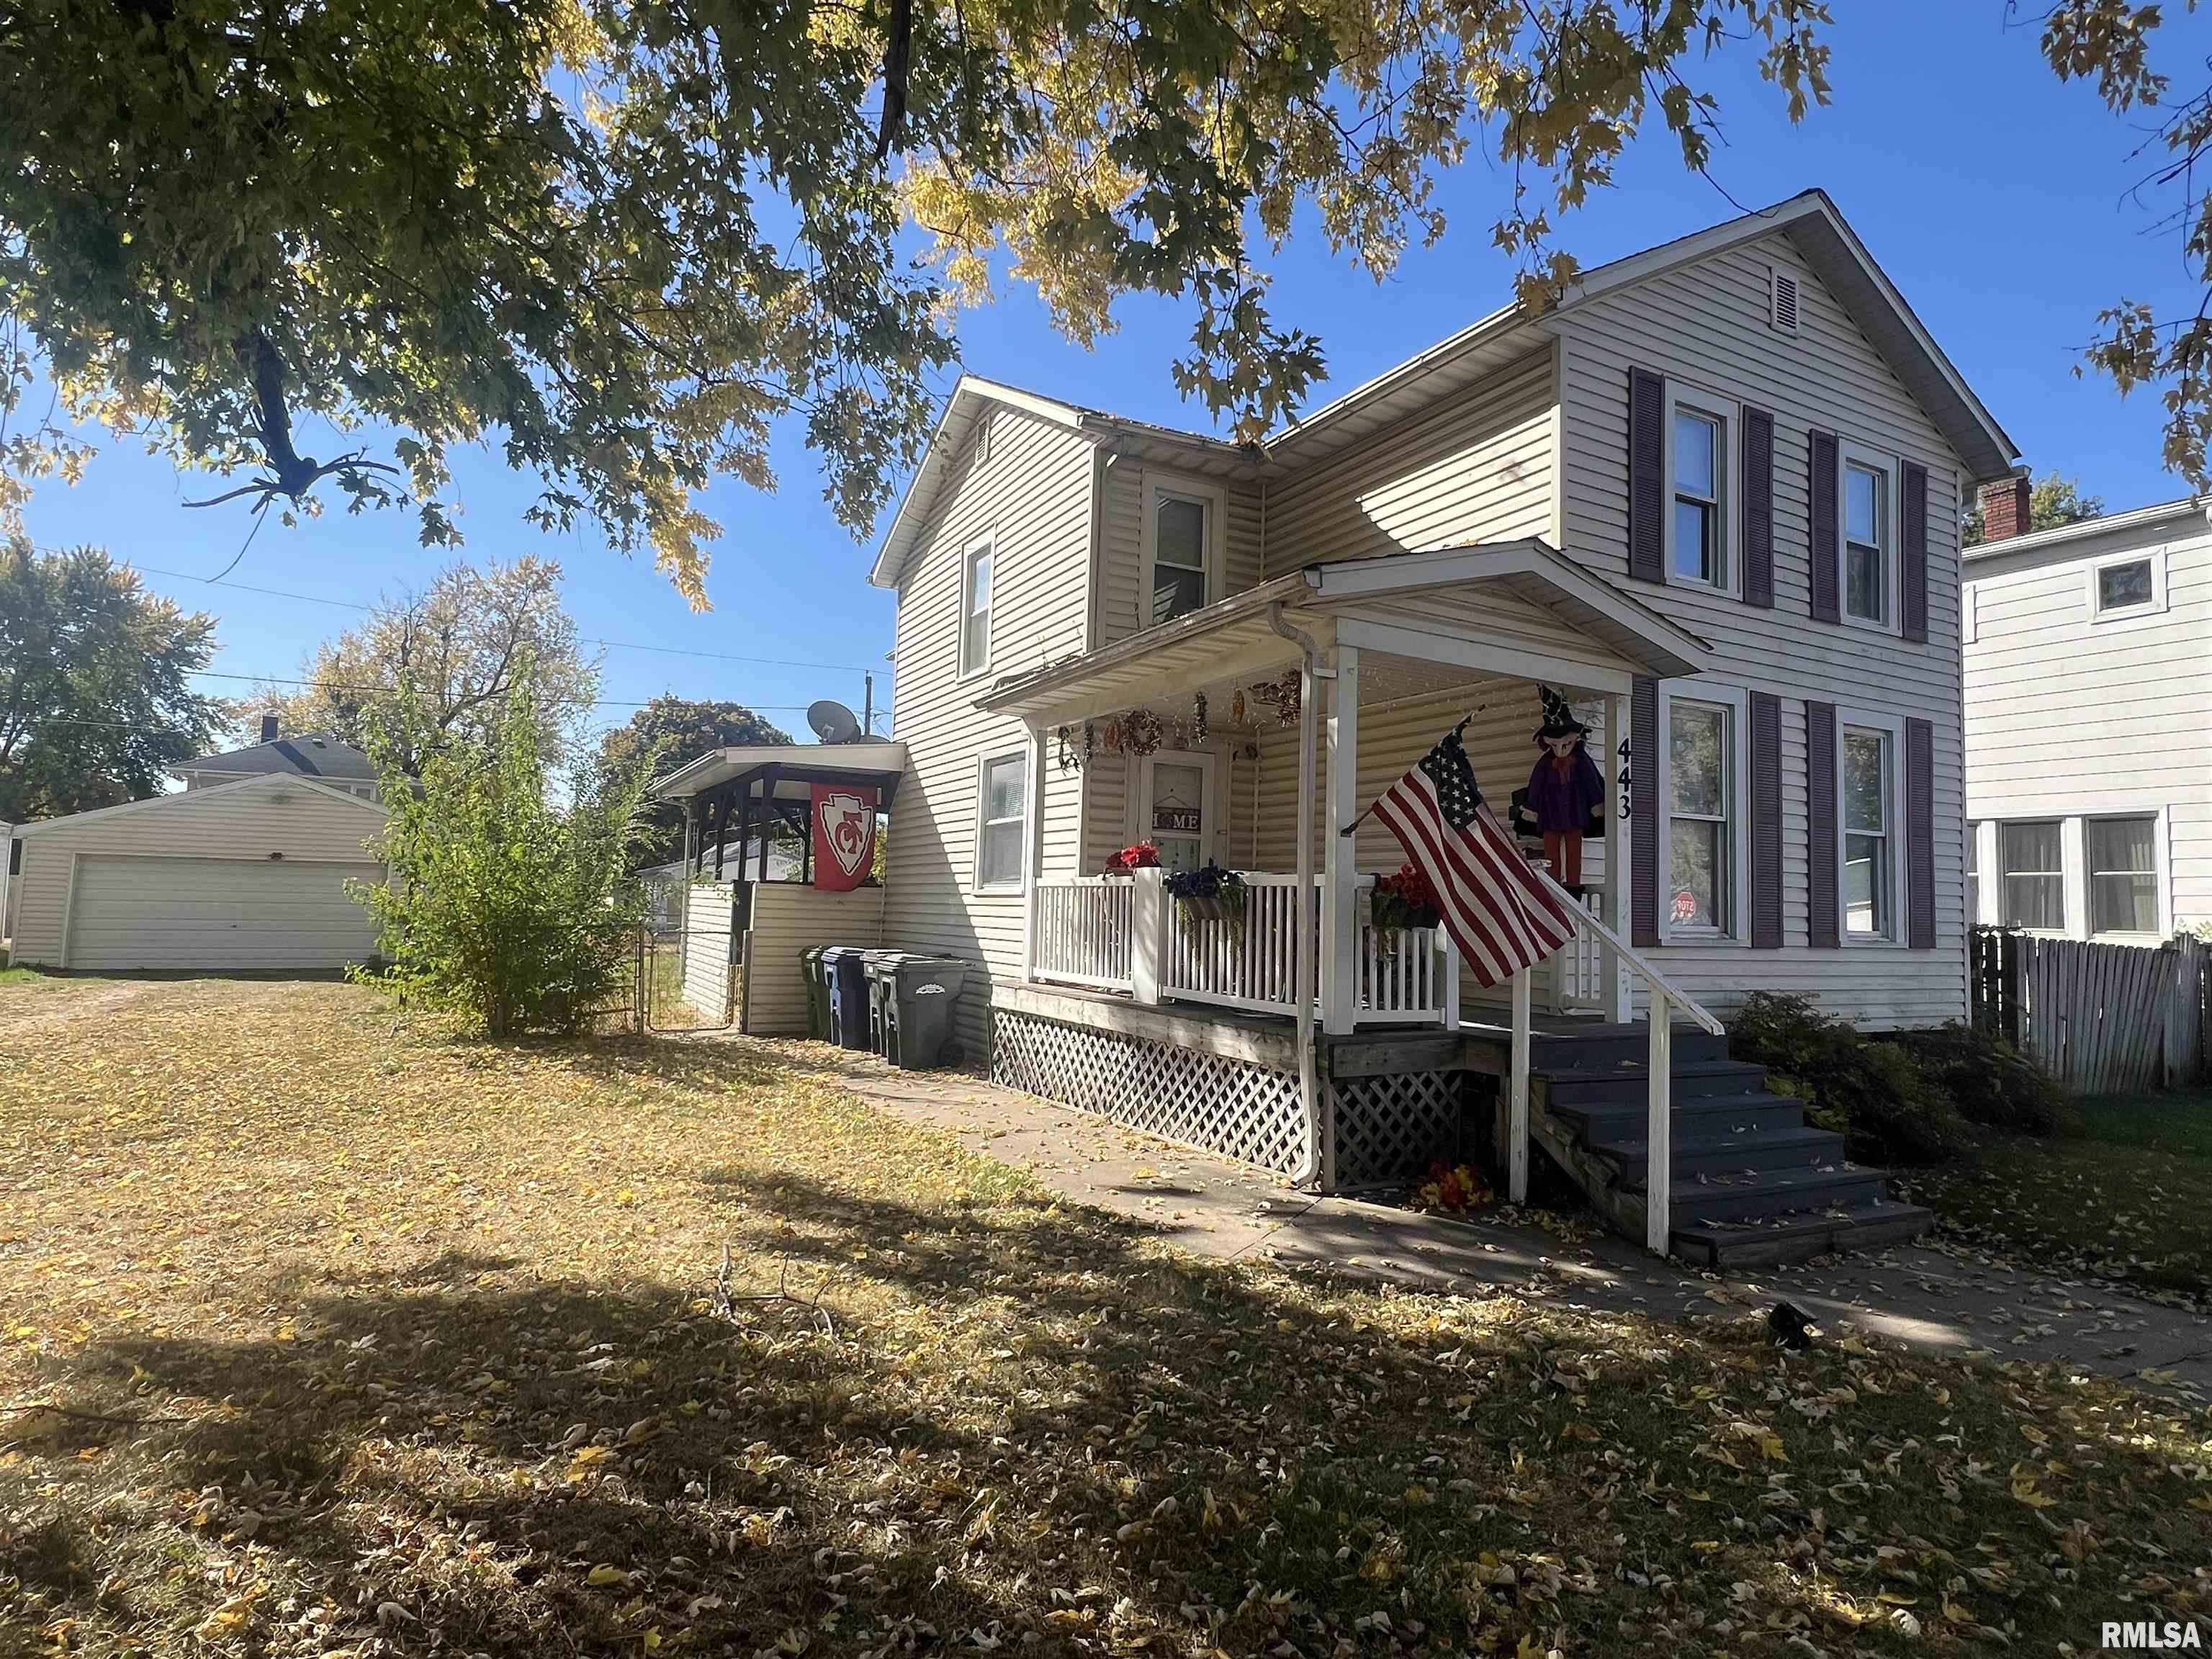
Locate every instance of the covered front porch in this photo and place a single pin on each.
(1288, 1023)
(1255, 733)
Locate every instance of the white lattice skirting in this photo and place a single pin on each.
(1385, 1128)
(1228, 1106)
(1388, 1129)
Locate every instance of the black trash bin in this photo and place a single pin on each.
(845, 968)
(817, 992)
(924, 1007)
(880, 965)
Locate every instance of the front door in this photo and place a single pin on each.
(1176, 806)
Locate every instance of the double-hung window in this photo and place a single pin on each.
(1708, 811)
(976, 608)
(2122, 857)
(2033, 865)
(1868, 542)
(1867, 800)
(1001, 823)
(1973, 871)
(1181, 538)
(1699, 550)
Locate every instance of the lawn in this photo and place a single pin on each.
(375, 1343)
(2126, 1197)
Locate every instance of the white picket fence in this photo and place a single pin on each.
(2110, 1019)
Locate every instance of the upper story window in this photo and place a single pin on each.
(976, 608)
(2134, 585)
(1869, 538)
(1182, 540)
(1699, 550)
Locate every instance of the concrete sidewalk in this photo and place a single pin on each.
(1940, 1299)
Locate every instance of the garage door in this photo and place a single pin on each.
(217, 914)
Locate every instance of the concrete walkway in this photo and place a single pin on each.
(1940, 1299)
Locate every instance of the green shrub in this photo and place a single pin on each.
(506, 910)
(1872, 1093)
(1990, 1081)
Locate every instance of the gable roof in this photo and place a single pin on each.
(310, 754)
(1810, 219)
(267, 782)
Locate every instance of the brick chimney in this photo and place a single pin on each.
(2005, 512)
(269, 728)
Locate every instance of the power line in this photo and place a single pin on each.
(587, 638)
(328, 685)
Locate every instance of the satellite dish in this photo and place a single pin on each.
(832, 722)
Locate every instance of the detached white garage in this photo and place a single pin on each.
(242, 877)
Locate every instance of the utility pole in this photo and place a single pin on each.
(868, 706)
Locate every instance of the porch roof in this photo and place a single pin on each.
(792, 769)
(1525, 611)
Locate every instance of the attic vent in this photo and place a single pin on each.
(1782, 301)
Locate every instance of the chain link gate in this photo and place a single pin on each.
(689, 976)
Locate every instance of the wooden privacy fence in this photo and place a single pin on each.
(2102, 1019)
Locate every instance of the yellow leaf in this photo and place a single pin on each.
(604, 1575)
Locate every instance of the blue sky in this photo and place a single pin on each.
(1994, 196)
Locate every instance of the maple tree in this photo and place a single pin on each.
(679, 730)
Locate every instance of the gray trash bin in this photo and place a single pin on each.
(879, 966)
(925, 1007)
(842, 966)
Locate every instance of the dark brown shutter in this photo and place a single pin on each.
(1913, 562)
(1758, 507)
(1827, 930)
(1920, 834)
(1645, 819)
(1765, 821)
(1820, 497)
(1647, 475)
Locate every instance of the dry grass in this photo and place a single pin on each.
(423, 1340)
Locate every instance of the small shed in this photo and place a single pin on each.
(246, 877)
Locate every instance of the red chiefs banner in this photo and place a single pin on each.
(844, 836)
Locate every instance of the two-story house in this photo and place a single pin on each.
(2088, 708)
(1711, 497)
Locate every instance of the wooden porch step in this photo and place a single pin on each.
(1692, 1079)
(1736, 1153)
(1794, 1235)
(1607, 1048)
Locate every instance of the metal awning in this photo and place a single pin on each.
(786, 772)
(1515, 608)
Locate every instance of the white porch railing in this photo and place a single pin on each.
(1085, 926)
(1583, 969)
(1116, 933)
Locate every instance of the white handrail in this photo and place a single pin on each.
(1652, 977)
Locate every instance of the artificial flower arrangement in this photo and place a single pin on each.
(1405, 900)
(1454, 1189)
(1137, 855)
(1209, 893)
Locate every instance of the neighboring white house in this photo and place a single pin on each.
(242, 876)
(2088, 663)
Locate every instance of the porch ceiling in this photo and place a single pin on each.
(1515, 609)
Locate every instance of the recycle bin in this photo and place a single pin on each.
(844, 968)
(817, 992)
(924, 1005)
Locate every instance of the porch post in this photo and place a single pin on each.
(1619, 989)
(1340, 893)
(1033, 855)
(1148, 943)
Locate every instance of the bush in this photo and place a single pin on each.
(1990, 1081)
(1872, 1093)
(501, 909)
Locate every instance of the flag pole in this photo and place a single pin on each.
(1353, 826)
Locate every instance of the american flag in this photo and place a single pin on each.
(1503, 916)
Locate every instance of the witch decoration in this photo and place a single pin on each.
(1565, 792)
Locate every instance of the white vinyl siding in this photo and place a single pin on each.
(1032, 497)
(239, 828)
(2072, 716)
(1706, 326)
(1479, 467)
